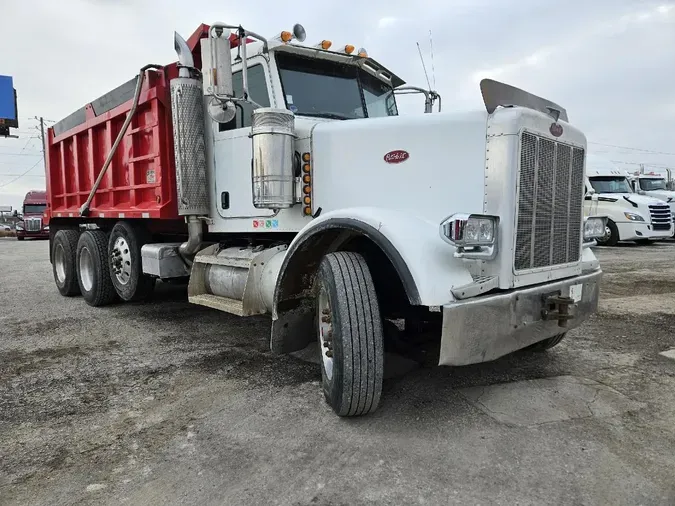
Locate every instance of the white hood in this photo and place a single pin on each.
(641, 200)
(662, 195)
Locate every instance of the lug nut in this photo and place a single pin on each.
(326, 311)
(325, 319)
(329, 353)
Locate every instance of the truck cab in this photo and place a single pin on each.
(631, 216)
(653, 184)
(33, 223)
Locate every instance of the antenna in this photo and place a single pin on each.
(423, 65)
(431, 50)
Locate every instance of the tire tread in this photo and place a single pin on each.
(362, 347)
(70, 237)
(103, 290)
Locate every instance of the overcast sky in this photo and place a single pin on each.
(610, 63)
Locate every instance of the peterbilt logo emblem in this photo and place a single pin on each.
(396, 156)
(556, 130)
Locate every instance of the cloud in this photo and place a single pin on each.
(386, 22)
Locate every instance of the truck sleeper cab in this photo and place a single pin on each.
(631, 216)
(288, 185)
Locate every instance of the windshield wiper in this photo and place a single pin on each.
(329, 115)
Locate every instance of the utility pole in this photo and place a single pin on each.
(42, 137)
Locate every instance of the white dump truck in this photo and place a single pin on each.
(282, 181)
(630, 216)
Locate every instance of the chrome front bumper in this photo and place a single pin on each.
(490, 326)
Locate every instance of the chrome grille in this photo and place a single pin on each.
(661, 217)
(32, 224)
(550, 191)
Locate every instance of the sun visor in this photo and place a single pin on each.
(497, 94)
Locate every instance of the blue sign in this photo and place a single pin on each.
(7, 102)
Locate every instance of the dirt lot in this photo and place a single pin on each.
(168, 403)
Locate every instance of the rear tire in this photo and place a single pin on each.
(612, 237)
(546, 344)
(64, 253)
(125, 263)
(350, 334)
(93, 274)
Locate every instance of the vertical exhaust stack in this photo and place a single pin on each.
(187, 109)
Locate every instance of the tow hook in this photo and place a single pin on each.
(557, 307)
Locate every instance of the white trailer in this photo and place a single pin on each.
(309, 198)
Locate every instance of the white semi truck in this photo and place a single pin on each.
(654, 184)
(304, 195)
(630, 216)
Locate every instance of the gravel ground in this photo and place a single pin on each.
(169, 403)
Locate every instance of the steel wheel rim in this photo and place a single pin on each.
(120, 261)
(60, 263)
(325, 333)
(87, 271)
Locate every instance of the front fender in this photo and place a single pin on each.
(424, 262)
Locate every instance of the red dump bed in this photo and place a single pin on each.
(140, 182)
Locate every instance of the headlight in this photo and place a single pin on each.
(46, 228)
(19, 226)
(474, 235)
(594, 227)
(633, 217)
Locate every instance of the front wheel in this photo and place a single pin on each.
(546, 344)
(611, 237)
(20, 238)
(350, 334)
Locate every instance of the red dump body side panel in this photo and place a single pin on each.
(140, 181)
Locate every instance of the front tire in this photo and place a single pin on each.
(93, 274)
(125, 263)
(546, 344)
(350, 334)
(20, 238)
(64, 253)
(611, 237)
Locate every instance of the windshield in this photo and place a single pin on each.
(333, 90)
(34, 208)
(610, 184)
(653, 184)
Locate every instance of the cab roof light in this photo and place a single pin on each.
(349, 49)
(363, 53)
(324, 44)
(298, 33)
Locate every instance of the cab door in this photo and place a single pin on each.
(232, 149)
